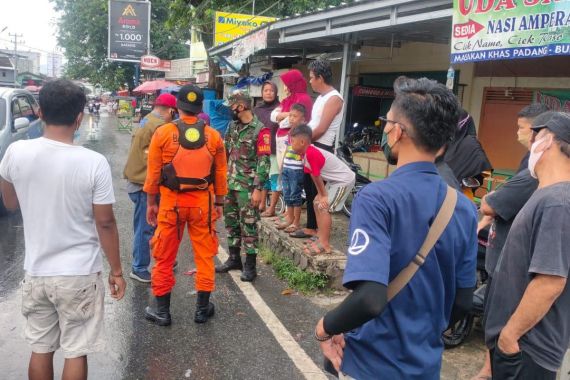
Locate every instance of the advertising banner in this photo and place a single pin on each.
(229, 26)
(153, 63)
(485, 30)
(555, 100)
(129, 30)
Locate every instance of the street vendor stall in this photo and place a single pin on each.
(125, 112)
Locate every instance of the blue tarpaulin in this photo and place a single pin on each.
(220, 115)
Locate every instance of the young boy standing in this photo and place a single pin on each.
(323, 166)
(292, 175)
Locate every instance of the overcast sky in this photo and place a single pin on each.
(35, 19)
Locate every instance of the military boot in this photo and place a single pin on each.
(233, 262)
(160, 314)
(204, 308)
(249, 272)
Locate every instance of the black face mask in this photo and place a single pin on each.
(235, 114)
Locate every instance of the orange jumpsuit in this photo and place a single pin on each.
(177, 209)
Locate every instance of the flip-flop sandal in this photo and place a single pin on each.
(291, 228)
(300, 234)
(282, 226)
(265, 214)
(311, 239)
(316, 248)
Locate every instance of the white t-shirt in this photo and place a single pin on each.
(330, 135)
(319, 162)
(57, 185)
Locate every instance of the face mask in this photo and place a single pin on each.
(387, 149)
(235, 114)
(524, 139)
(534, 157)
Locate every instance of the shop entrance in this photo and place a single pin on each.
(498, 125)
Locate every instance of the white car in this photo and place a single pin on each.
(19, 119)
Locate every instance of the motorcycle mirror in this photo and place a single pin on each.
(355, 125)
(470, 182)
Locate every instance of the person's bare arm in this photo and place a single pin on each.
(486, 209)
(332, 107)
(281, 115)
(9, 196)
(537, 300)
(485, 221)
(109, 236)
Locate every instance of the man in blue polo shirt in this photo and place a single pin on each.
(365, 337)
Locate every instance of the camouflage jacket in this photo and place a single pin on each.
(248, 158)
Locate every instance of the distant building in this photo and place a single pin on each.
(30, 79)
(7, 77)
(28, 61)
(190, 69)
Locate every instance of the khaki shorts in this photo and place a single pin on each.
(64, 311)
(337, 195)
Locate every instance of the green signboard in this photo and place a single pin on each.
(555, 100)
(485, 30)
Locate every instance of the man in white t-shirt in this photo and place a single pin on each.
(65, 193)
(325, 122)
(323, 166)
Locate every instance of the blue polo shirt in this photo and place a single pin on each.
(390, 221)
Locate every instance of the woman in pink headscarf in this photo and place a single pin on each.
(295, 87)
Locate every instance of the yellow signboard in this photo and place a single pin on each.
(229, 26)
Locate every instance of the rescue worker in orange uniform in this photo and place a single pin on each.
(187, 165)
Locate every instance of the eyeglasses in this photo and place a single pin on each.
(385, 121)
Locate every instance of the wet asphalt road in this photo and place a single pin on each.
(235, 344)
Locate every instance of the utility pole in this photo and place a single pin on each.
(253, 8)
(16, 36)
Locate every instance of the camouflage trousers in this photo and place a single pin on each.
(241, 221)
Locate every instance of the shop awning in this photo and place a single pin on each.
(363, 23)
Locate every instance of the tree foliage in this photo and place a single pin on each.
(83, 31)
(83, 34)
(199, 14)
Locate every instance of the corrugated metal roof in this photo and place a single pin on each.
(6, 63)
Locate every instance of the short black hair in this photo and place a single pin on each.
(302, 130)
(61, 101)
(299, 108)
(432, 109)
(532, 110)
(322, 68)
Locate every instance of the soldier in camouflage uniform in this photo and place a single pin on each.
(248, 148)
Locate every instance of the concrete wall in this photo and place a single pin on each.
(6, 77)
(412, 57)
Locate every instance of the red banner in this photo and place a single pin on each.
(152, 63)
(373, 92)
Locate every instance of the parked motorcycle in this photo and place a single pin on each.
(344, 152)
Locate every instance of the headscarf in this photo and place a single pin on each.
(465, 155)
(297, 86)
(263, 113)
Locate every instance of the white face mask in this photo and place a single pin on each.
(535, 156)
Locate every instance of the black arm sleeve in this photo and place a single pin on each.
(365, 303)
(462, 305)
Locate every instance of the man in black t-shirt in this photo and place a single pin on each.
(527, 328)
(500, 207)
